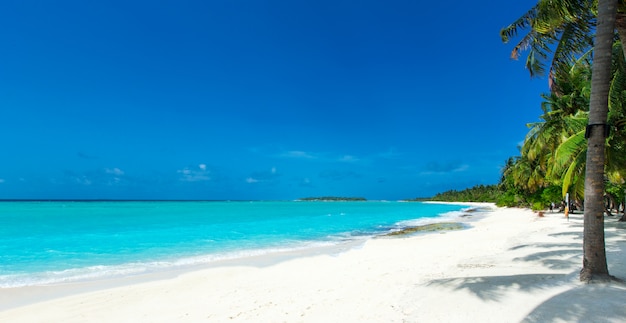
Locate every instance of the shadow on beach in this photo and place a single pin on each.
(565, 257)
(584, 303)
(558, 266)
(493, 288)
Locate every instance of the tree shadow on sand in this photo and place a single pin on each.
(557, 264)
(584, 303)
(560, 259)
(588, 303)
(577, 302)
(493, 288)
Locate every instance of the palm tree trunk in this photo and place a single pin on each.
(594, 253)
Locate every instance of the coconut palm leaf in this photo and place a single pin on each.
(560, 29)
(574, 174)
(525, 21)
(567, 151)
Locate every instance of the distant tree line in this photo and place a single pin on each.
(333, 198)
(502, 195)
(478, 193)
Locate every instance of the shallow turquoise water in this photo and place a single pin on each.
(51, 242)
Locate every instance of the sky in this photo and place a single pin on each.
(258, 100)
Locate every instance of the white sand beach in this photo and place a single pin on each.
(509, 266)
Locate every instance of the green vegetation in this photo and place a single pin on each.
(333, 198)
(578, 148)
(502, 195)
(552, 158)
(479, 193)
(579, 144)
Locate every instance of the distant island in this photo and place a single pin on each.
(333, 199)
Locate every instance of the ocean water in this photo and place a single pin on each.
(54, 242)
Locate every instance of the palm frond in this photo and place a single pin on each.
(522, 22)
(523, 45)
(617, 92)
(576, 123)
(578, 187)
(575, 41)
(538, 54)
(575, 174)
(568, 151)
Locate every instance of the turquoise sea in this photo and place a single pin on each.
(55, 242)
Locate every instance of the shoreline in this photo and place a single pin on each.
(50, 263)
(15, 297)
(181, 261)
(509, 265)
(19, 296)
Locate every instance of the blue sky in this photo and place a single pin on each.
(227, 99)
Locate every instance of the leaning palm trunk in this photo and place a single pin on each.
(594, 253)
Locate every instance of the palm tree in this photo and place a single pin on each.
(526, 174)
(570, 108)
(564, 116)
(594, 253)
(513, 194)
(563, 27)
(570, 157)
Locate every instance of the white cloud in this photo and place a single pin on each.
(297, 154)
(306, 182)
(83, 180)
(437, 168)
(461, 168)
(390, 154)
(199, 174)
(348, 159)
(320, 157)
(264, 176)
(114, 171)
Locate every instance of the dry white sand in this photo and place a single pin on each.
(509, 266)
